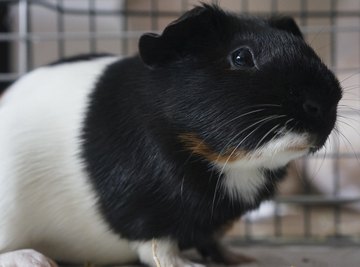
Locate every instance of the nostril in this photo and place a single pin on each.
(312, 108)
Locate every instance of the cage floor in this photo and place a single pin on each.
(294, 256)
(298, 255)
(321, 223)
(301, 256)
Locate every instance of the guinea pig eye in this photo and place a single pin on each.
(242, 58)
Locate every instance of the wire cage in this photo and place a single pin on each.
(322, 206)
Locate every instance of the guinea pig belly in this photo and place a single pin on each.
(47, 202)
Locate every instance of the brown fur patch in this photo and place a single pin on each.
(298, 148)
(198, 146)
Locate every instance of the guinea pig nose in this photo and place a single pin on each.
(312, 108)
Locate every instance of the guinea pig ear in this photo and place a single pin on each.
(286, 24)
(184, 36)
(153, 50)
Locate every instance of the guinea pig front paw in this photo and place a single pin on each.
(162, 253)
(25, 258)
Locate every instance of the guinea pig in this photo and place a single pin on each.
(112, 160)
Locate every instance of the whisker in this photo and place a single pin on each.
(350, 76)
(347, 108)
(316, 36)
(248, 113)
(316, 171)
(350, 86)
(242, 131)
(352, 127)
(350, 145)
(247, 136)
(280, 132)
(299, 173)
(350, 89)
(273, 117)
(221, 126)
(234, 119)
(353, 97)
(236, 147)
(347, 118)
(348, 93)
(273, 130)
(266, 135)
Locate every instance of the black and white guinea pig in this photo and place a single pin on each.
(101, 156)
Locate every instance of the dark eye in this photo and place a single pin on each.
(242, 58)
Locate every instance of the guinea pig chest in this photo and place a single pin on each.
(100, 155)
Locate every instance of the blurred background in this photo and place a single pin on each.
(319, 203)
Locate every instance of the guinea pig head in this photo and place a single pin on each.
(240, 88)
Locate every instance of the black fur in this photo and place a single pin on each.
(5, 47)
(149, 184)
(76, 58)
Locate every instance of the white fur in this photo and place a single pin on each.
(243, 178)
(25, 258)
(163, 252)
(46, 200)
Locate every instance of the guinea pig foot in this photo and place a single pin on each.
(25, 258)
(216, 252)
(162, 253)
(178, 262)
(193, 264)
(232, 257)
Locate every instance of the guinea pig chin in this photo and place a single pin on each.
(274, 154)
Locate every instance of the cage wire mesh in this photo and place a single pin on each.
(320, 203)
